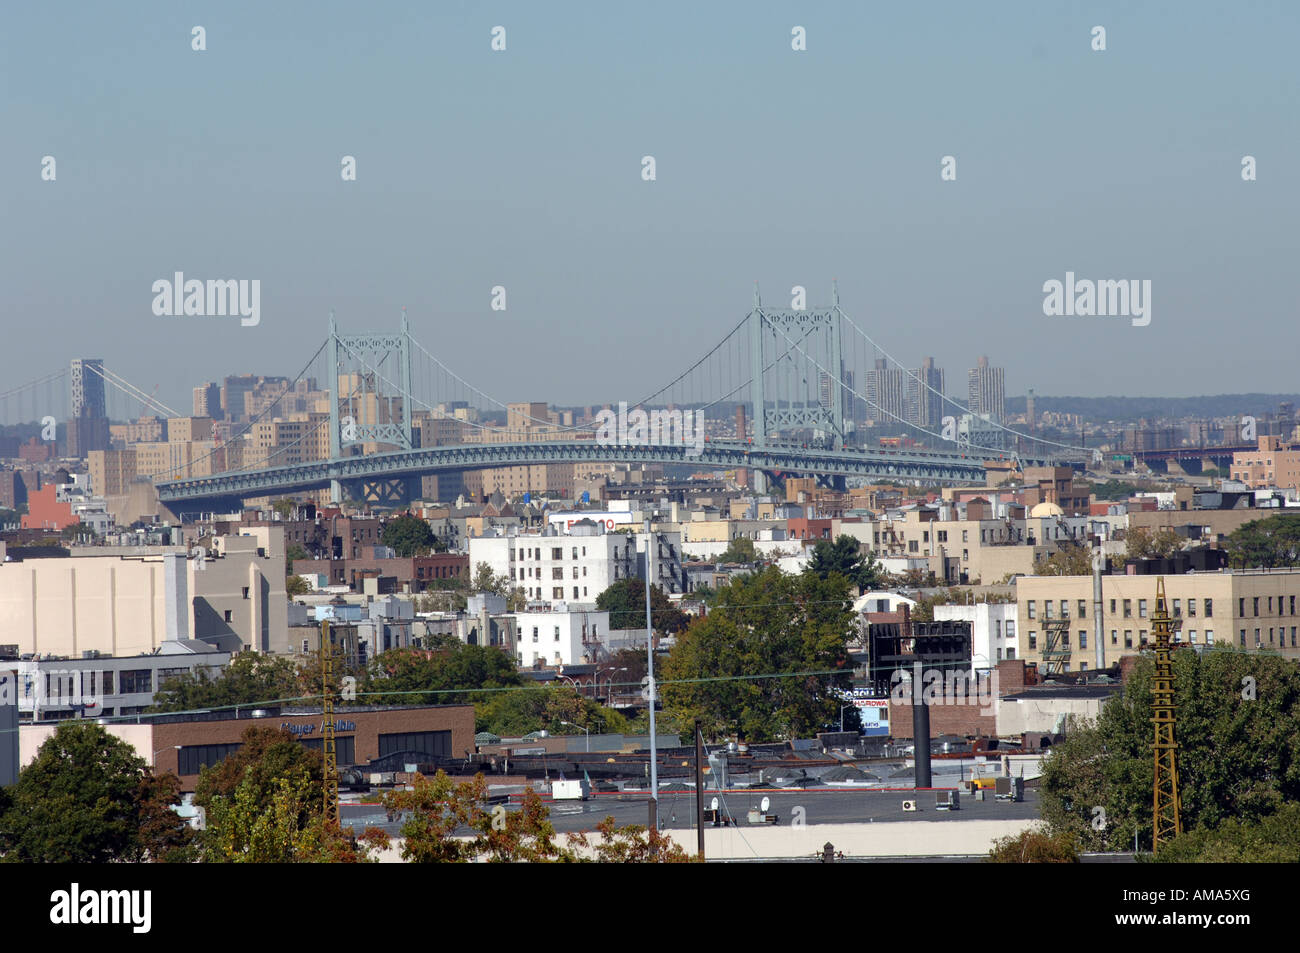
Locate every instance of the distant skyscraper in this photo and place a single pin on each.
(88, 387)
(885, 393)
(207, 401)
(987, 391)
(925, 393)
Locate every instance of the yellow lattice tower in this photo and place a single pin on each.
(331, 768)
(1166, 822)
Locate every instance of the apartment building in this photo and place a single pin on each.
(1250, 609)
(1270, 464)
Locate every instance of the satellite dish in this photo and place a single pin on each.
(714, 804)
(765, 804)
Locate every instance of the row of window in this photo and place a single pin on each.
(557, 592)
(1192, 637)
(557, 552)
(1032, 608)
(1281, 637)
(1281, 606)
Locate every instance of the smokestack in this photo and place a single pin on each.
(740, 422)
(920, 711)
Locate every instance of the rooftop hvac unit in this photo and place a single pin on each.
(909, 805)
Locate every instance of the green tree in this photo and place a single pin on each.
(485, 580)
(407, 535)
(1270, 840)
(845, 557)
(89, 798)
(294, 553)
(441, 813)
(633, 844)
(1238, 737)
(739, 550)
(924, 610)
(765, 664)
(1268, 543)
(284, 508)
(443, 673)
(1115, 490)
(265, 754)
(247, 679)
(1141, 543)
(524, 710)
(624, 600)
(296, 586)
(1070, 560)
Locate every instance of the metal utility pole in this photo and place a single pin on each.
(1166, 823)
(699, 786)
(1098, 625)
(654, 691)
(331, 768)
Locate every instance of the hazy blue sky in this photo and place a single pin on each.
(522, 169)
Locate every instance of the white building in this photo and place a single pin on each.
(575, 567)
(993, 630)
(561, 636)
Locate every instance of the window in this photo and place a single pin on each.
(245, 590)
(1270, 605)
(1114, 636)
(1065, 609)
(1142, 638)
(1191, 607)
(965, 536)
(1209, 636)
(1033, 611)
(557, 552)
(575, 592)
(1142, 608)
(135, 681)
(1011, 630)
(1033, 641)
(1209, 608)
(1128, 638)
(1293, 645)
(1083, 639)
(1083, 608)
(557, 592)
(1011, 651)
(1047, 608)
(1258, 643)
(1178, 608)
(534, 636)
(1112, 607)
(1191, 636)
(227, 615)
(1243, 638)
(941, 536)
(1270, 635)
(557, 634)
(1293, 605)
(575, 552)
(193, 758)
(1128, 608)
(557, 572)
(1065, 640)
(1241, 605)
(436, 744)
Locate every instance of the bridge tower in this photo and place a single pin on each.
(796, 392)
(365, 370)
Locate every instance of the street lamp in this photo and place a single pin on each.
(609, 694)
(587, 730)
(153, 758)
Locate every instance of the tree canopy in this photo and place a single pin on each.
(624, 600)
(1070, 560)
(408, 535)
(1268, 543)
(1141, 543)
(524, 710)
(442, 673)
(89, 798)
(846, 557)
(1238, 738)
(739, 550)
(766, 663)
(247, 679)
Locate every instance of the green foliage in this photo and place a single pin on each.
(1238, 757)
(844, 556)
(634, 844)
(1035, 846)
(924, 609)
(1274, 839)
(624, 600)
(284, 508)
(513, 714)
(739, 550)
(1141, 543)
(1069, 560)
(408, 535)
(89, 798)
(266, 753)
(265, 804)
(248, 678)
(441, 810)
(1111, 490)
(439, 674)
(1269, 543)
(770, 624)
(296, 586)
(293, 553)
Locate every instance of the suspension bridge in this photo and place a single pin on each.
(787, 391)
